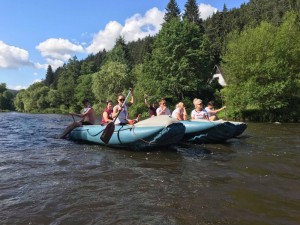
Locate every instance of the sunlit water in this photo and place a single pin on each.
(253, 179)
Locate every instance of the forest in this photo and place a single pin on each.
(257, 47)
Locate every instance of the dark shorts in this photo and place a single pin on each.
(86, 123)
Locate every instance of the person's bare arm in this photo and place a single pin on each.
(116, 111)
(146, 102)
(105, 116)
(217, 110)
(159, 113)
(184, 114)
(132, 99)
(81, 114)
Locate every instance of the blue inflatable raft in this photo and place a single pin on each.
(152, 132)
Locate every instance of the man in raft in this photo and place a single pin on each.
(88, 118)
(212, 112)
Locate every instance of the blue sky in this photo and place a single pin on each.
(36, 33)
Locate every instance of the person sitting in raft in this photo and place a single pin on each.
(198, 112)
(162, 109)
(212, 112)
(180, 112)
(152, 108)
(88, 118)
(107, 113)
(122, 118)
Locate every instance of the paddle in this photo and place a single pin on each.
(110, 128)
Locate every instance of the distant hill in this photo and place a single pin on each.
(13, 91)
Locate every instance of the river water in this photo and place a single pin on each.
(254, 179)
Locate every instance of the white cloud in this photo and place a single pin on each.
(18, 87)
(105, 38)
(58, 48)
(12, 57)
(135, 27)
(206, 10)
(37, 80)
(139, 27)
(55, 63)
(35, 74)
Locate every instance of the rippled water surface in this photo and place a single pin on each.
(254, 179)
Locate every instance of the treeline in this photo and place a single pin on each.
(257, 46)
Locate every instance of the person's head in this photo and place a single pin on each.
(109, 104)
(211, 104)
(85, 102)
(198, 103)
(180, 105)
(155, 104)
(121, 99)
(162, 103)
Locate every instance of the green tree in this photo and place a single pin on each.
(2, 87)
(192, 14)
(173, 11)
(49, 76)
(180, 63)
(109, 81)
(262, 71)
(83, 90)
(53, 98)
(119, 53)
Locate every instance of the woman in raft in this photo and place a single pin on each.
(122, 118)
(180, 112)
(198, 112)
(107, 113)
(162, 109)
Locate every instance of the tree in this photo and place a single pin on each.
(83, 89)
(179, 64)
(192, 14)
(49, 76)
(262, 71)
(173, 11)
(110, 80)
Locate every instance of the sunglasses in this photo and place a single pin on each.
(122, 100)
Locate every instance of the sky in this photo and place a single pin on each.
(37, 33)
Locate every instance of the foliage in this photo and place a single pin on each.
(263, 72)
(179, 64)
(109, 81)
(192, 14)
(173, 11)
(49, 76)
(258, 50)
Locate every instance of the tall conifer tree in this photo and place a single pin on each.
(49, 76)
(173, 11)
(192, 14)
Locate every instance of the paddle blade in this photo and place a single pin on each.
(107, 133)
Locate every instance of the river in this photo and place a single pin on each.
(254, 179)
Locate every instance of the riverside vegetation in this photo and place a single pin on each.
(257, 46)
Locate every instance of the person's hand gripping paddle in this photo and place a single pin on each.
(110, 128)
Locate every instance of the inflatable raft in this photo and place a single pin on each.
(152, 132)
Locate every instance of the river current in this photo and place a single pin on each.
(253, 179)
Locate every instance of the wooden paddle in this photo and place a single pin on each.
(110, 128)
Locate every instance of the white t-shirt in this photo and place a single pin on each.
(174, 113)
(198, 115)
(122, 118)
(208, 111)
(166, 112)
